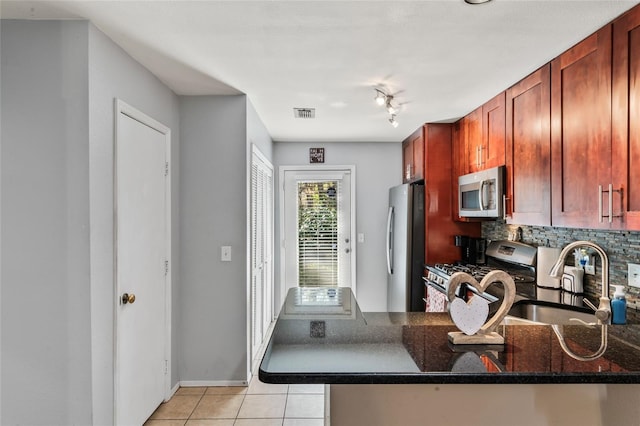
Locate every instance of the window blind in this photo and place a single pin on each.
(318, 233)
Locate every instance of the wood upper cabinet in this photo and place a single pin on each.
(528, 150)
(471, 141)
(492, 151)
(485, 135)
(413, 157)
(626, 120)
(581, 131)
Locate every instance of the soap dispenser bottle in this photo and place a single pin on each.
(619, 306)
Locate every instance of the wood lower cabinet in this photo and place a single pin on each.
(413, 157)
(581, 131)
(528, 150)
(626, 120)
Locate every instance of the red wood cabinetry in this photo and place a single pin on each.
(458, 163)
(492, 151)
(471, 141)
(626, 120)
(528, 150)
(581, 131)
(440, 228)
(484, 136)
(413, 157)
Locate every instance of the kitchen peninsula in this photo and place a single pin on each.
(399, 368)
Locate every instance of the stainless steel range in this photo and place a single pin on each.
(516, 258)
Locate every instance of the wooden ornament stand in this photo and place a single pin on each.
(486, 335)
(459, 338)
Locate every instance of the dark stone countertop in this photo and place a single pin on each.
(325, 338)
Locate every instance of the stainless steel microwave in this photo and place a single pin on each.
(480, 194)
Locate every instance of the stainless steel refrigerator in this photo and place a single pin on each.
(405, 248)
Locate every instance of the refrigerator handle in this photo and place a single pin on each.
(390, 241)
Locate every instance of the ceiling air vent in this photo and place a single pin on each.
(304, 112)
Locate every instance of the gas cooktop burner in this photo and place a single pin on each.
(479, 271)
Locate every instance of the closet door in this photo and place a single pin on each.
(261, 248)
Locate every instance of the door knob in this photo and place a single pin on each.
(128, 298)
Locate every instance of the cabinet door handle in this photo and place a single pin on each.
(610, 203)
(600, 203)
(610, 192)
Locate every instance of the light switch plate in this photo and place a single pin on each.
(633, 274)
(225, 253)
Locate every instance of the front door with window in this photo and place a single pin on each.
(317, 228)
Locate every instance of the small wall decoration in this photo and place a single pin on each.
(316, 155)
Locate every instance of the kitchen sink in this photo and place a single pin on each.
(529, 312)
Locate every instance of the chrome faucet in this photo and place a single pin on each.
(603, 312)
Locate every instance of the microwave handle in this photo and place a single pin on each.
(481, 193)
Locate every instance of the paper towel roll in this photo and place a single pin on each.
(547, 257)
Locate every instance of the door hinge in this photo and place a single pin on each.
(166, 366)
(166, 268)
(166, 168)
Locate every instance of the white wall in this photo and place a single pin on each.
(212, 323)
(46, 358)
(376, 171)
(114, 74)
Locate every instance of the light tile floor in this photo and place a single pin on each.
(259, 404)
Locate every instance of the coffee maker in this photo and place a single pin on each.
(472, 249)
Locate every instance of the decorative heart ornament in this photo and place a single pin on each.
(470, 317)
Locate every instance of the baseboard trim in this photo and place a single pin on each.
(212, 383)
(173, 390)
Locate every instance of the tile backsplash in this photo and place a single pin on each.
(622, 247)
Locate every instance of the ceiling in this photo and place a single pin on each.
(440, 59)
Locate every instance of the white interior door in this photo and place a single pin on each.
(142, 266)
(311, 199)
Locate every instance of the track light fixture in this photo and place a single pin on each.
(381, 97)
(384, 99)
(390, 108)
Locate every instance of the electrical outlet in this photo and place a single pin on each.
(590, 269)
(633, 274)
